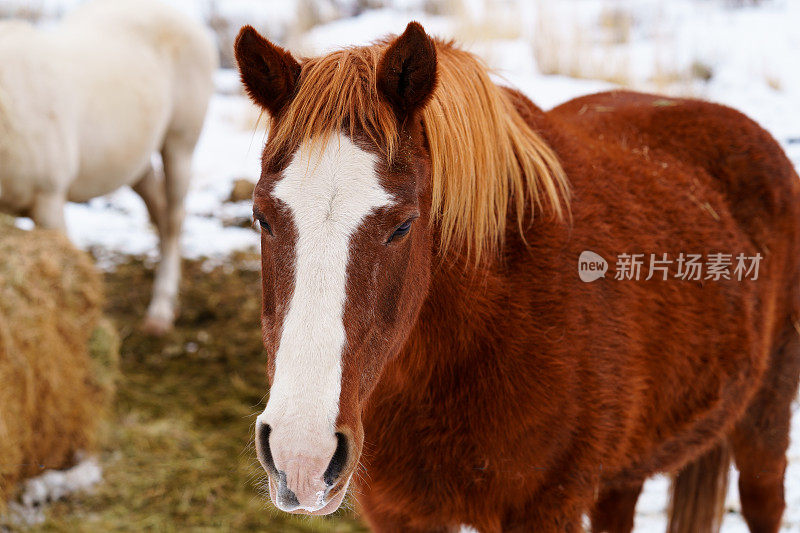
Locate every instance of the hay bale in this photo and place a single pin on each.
(52, 392)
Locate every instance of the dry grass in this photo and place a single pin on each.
(177, 454)
(617, 24)
(773, 81)
(573, 53)
(51, 392)
(30, 12)
(499, 21)
(603, 50)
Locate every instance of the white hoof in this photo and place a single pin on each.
(159, 320)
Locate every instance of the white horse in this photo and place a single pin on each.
(85, 104)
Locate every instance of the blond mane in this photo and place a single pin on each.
(485, 159)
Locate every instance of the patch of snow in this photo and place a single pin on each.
(24, 223)
(52, 486)
(226, 81)
(56, 485)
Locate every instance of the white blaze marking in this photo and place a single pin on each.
(329, 193)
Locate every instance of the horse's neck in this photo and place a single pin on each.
(458, 319)
(465, 314)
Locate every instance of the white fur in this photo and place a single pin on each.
(85, 104)
(329, 193)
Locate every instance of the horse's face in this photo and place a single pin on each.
(346, 255)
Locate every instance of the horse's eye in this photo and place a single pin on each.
(264, 225)
(401, 230)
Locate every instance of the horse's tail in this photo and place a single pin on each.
(698, 493)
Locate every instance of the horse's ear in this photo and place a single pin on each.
(407, 70)
(269, 73)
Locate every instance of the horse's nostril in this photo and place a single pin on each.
(338, 461)
(262, 447)
(286, 498)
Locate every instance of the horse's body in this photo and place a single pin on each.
(504, 393)
(552, 386)
(85, 105)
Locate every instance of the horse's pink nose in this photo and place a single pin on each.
(302, 480)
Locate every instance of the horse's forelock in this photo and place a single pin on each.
(485, 159)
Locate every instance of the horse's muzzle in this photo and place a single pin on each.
(303, 482)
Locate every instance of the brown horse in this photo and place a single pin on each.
(424, 316)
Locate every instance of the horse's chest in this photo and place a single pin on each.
(424, 448)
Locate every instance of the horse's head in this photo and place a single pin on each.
(344, 206)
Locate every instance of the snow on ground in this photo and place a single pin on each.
(51, 486)
(750, 53)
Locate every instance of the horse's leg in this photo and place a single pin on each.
(48, 210)
(177, 157)
(615, 509)
(554, 509)
(152, 192)
(545, 522)
(761, 438)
